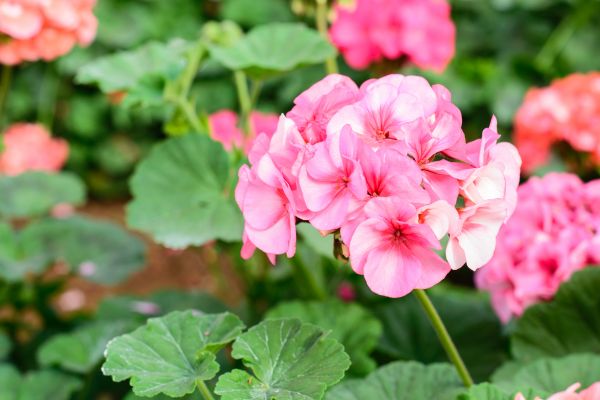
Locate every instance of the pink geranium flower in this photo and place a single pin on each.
(224, 128)
(374, 30)
(47, 29)
(553, 232)
(393, 251)
(383, 167)
(591, 393)
(29, 147)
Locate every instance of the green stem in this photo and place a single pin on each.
(560, 37)
(4, 87)
(444, 337)
(206, 394)
(321, 19)
(189, 112)
(191, 69)
(241, 85)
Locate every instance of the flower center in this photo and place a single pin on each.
(382, 134)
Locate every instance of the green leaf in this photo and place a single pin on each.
(170, 354)
(160, 303)
(82, 350)
(275, 48)
(250, 13)
(402, 381)
(551, 375)
(350, 324)
(570, 323)
(18, 257)
(35, 193)
(472, 324)
(127, 70)
(99, 251)
(181, 194)
(5, 345)
(38, 385)
(289, 359)
(487, 391)
(132, 396)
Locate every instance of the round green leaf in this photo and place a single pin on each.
(99, 251)
(487, 391)
(350, 324)
(551, 375)
(35, 193)
(181, 194)
(18, 257)
(170, 354)
(275, 48)
(570, 323)
(289, 359)
(402, 381)
(472, 324)
(37, 385)
(127, 70)
(81, 350)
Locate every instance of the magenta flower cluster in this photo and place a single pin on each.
(385, 166)
(554, 232)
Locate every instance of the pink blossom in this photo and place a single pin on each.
(383, 167)
(314, 107)
(553, 232)
(47, 29)
(393, 251)
(29, 147)
(374, 30)
(591, 393)
(224, 129)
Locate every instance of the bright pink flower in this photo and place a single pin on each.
(420, 30)
(47, 29)
(386, 106)
(393, 251)
(332, 181)
(29, 147)
(554, 231)
(224, 128)
(314, 107)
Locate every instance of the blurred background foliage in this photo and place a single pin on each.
(503, 48)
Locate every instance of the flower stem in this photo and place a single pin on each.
(4, 87)
(241, 85)
(444, 337)
(203, 389)
(321, 20)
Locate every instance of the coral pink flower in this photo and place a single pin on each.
(29, 147)
(566, 111)
(374, 30)
(224, 128)
(314, 107)
(393, 251)
(332, 182)
(47, 29)
(553, 232)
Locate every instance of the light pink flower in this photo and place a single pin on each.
(591, 393)
(374, 30)
(314, 107)
(393, 251)
(386, 105)
(332, 181)
(47, 29)
(224, 128)
(553, 232)
(29, 147)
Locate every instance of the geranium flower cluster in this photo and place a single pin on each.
(374, 30)
(44, 29)
(591, 393)
(568, 110)
(384, 165)
(224, 128)
(554, 232)
(29, 147)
